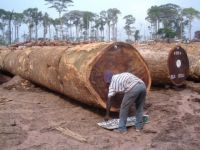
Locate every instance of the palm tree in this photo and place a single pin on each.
(190, 14)
(60, 6)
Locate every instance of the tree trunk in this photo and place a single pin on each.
(109, 32)
(76, 72)
(190, 29)
(50, 32)
(18, 33)
(36, 32)
(166, 67)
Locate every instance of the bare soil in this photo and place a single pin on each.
(29, 116)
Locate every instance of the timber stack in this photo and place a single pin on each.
(76, 71)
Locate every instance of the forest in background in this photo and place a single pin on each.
(166, 21)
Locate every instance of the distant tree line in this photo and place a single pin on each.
(166, 21)
(170, 20)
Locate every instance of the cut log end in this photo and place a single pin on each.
(178, 65)
(118, 57)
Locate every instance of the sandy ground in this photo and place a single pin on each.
(29, 116)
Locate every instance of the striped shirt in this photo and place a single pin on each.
(122, 83)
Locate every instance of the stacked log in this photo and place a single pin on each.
(167, 67)
(76, 71)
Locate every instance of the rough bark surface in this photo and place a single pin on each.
(76, 71)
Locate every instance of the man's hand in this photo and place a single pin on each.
(106, 118)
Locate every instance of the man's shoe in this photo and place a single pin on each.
(138, 129)
(123, 131)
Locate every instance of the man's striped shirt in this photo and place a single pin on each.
(122, 83)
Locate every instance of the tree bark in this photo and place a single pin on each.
(76, 71)
(194, 73)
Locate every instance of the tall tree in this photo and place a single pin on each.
(56, 23)
(102, 22)
(29, 19)
(46, 22)
(129, 28)
(3, 23)
(87, 18)
(190, 14)
(108, 19)
(18, 19)
(169, 15)
(137, 35)
(37, 17)
(153, 16)
(115, 12)
(75, 18)
(60, 6)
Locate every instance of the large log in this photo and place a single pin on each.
(193, 52)
(194, 73)
(169, 66)
(76, 71)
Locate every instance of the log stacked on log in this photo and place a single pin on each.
(76, 71)
(169, 66)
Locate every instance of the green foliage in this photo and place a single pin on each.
(169, 15)
(167, 33)
(137, 35)
(129, 28)
(191, 13)
(59, 5)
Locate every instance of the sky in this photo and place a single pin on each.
(137, 8)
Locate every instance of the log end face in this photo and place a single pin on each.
(118, 57)
(178, 65)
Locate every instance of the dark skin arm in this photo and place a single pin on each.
(108, 106)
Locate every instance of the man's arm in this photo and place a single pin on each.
(108, 106)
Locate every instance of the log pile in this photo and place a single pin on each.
(47, 43)
(76, 71)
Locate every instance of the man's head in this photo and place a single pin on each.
(108, 76)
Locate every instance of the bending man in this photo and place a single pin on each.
(134, 91)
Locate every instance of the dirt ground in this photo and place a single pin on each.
(29, 116)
